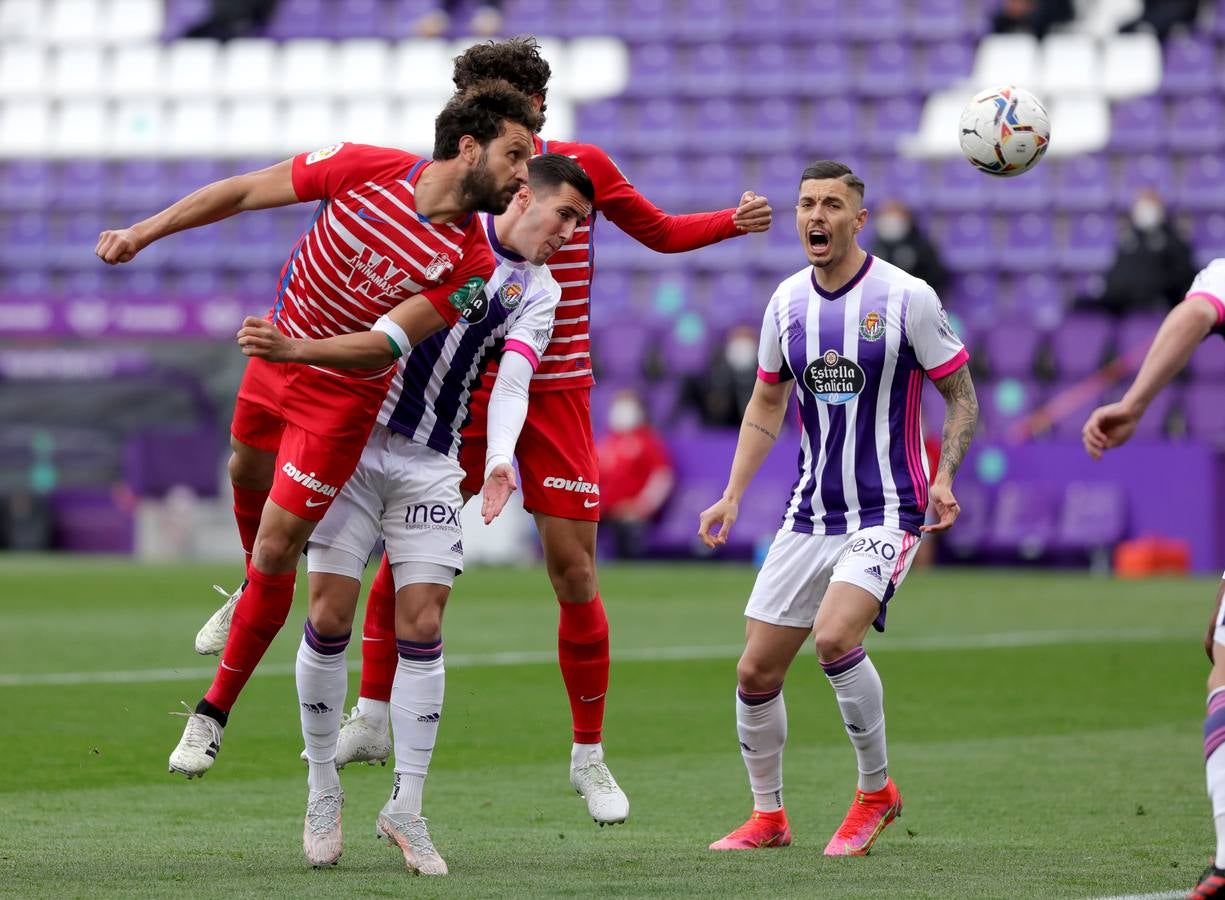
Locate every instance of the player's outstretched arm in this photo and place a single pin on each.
(960, 421)
(262, 189)
(362, 350)
(507, 412)
(759, 430)
(1184, 328)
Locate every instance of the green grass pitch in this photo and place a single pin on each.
(1045, 730)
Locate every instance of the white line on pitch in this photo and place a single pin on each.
(1160, 895)
(640, 654)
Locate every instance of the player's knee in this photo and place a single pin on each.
(574, 580)
(328, 619)
(1216, 678)
(832, 643)
(421, 619)
(275, 553)
(249, 468)
(756, 677)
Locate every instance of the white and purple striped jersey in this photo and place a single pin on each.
(859, 356)
(429, 394)
(1210, 285)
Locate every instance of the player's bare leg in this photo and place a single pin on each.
(1212, 883)
(843, 619)
(761, 724)
(251, 471)
(416, 710)
(582, 653)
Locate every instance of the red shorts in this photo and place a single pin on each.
(316, 423)
(556, 453)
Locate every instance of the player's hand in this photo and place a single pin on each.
(753, 213)
(1109, 426)
(497, 490)
(118, 246)
(263, 340)
(715, 522)
(946, 506)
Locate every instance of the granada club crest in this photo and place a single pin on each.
(834, 379)
(438, 267)
(872, 328)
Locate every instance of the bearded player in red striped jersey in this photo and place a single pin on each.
(556, 448)
(393, 236)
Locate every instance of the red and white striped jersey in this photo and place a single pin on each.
(367, 249)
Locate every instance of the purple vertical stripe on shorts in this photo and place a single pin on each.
(327, 645)
(419, 651)
(756, 698)
(845, 662)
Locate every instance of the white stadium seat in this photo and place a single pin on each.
(138, 128)
(308, 69)
(1078, 125)
(252, 126)
(73, 21)
(191, 68)
(413, 125)
(557, 53)
(559, 120)
(366, 121)
(937, 134)
(1131, 65)
(25, 127)
(421, 68)
(136, 70)
(23, 70)
(22, 20)
(125, 21)
(249, 67)
(77, 71)
(309, 125)
(194, 128)
(599, 67)
(1004, 59)
(80, 128)
(363, 68)
(1070, 64)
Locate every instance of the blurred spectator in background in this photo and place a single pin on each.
(1031, 16)
(901, 242)
(486, 19)
(721, 393)
(1153, 264)
(233, 19)
(1162, 16)
(636, 476)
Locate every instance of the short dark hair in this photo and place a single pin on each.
(828, 168)
(550, 171)
(516, 61)
(482, 111)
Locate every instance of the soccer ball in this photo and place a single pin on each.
(1004, 131)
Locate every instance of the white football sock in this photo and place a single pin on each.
(1214, 764)
(580, 753)
(861, 699)
(322, 679)
(416, 707)
(762, 727)
(375, 711)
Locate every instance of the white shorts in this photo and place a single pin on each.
(799, 568)
(404, 491)
(1218, 636)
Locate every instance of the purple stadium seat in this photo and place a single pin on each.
(1080, 183)
(1024, 518)
(661, 127)
(833, 70)
(939, 20)
(1040, 298)
(604, 123)
(710, 177)
(26, 282)
(957, 185)
(700, 20)
(945, 63)
(686, 354)
(1011, 348)
(619, 348)
(1208, 237)
(768, 69)
(254, 243)
(771, 125)
(531, 16)
(1195, 124)
(26, 184)
(1190, 65)
(775, 19)
(1135, 334)
(1153, 426)
(182, 14)
(644, 20)
(967, 243)
(1030, 244)
(885, 67)
(1094, 515)
(1079, 346)
(835, 128)
(1138, 125)
(677, 529)
(901, 179)
(1200, 184)
(585, 17)
(974, 523)
(1147, 171)
(664, 179)
(199, 248)
(300, 19)
(1202, 407)
(140, 185)
(24, 241)
(889, 119)
(201, 283)
(874, 20)
(1208, 361)
(82, 184)
(77, 237)
(662, 399)
(716, 123)
(1090, 243)
(154, 461)
(714, 71)
(191, 174)
(363, 18)
(655, 69)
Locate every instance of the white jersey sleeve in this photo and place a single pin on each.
(530, 328)
(771, 366)
(937, 347)
(1209, 284)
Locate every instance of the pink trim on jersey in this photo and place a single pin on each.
(914, 445)
(524, 350)
(767, 377)
(907, 542)
(959, 359)
(1216, 301)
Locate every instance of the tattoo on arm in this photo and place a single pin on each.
(960, 419)
(767, 432)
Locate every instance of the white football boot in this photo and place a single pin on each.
(321, 838)
(359, 741)
(606, 801)
(199, 745)
(408, 832)
(210, 640)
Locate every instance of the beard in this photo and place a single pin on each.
(482, 190)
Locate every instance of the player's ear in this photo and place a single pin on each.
(861, 219)
(469, 149)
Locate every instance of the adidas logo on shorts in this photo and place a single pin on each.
(875, 572)
(458, 547)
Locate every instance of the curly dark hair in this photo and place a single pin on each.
(482, 111)
(516, 61)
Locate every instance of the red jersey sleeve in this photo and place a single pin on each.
(323, 174)
(639, 217)
(453, 296)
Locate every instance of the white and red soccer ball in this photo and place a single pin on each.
(1004, 131)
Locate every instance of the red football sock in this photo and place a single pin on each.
(259, 615)
(248, 507)
(582, 651)
(379, 656)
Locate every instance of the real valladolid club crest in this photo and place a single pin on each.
(510, 294)
(872, 328)
(438, 265)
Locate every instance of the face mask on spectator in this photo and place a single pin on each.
(1147, 214)
(741, 353)
(892, 227)
(625, 415)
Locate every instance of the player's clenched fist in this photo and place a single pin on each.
(119, 246)
(715, 522)
(261, 339)
(753, 213)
